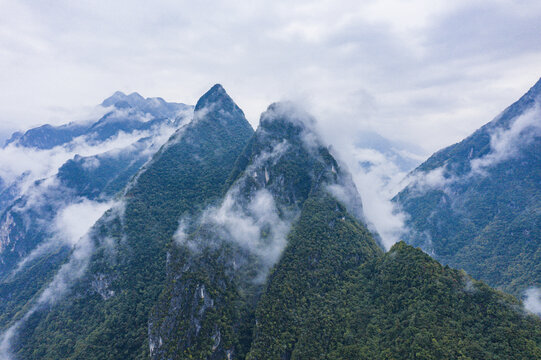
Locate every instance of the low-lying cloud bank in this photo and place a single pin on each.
(117, 132)
(70, 224)
(380, 172)
(378, 168)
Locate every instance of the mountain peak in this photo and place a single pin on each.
(217, 88)
(214, 95)
(113, 99)
(289, 112)
(136, 96)
(526, 101)
(217, 104)
(289, 121)
(133, 99)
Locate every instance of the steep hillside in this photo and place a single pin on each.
(324, 245)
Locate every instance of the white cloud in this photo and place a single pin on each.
(247, 217)
(26, 165)
(377, 184)
(71, 216)
(5, 341)
(345, 191)
(74, 220)
(437, 178)
(91, 163)
(532, 301)
(507, 143)
(54, 291)
(256, 227)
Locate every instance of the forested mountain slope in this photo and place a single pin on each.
(476, 205)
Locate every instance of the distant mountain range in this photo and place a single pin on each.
(128, 113)
(221, 242)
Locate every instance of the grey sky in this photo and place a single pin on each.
(424, 71)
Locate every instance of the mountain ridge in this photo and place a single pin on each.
(475, 204)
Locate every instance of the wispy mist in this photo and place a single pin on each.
(250, 219)
(26, 165)
(73, 221)
(22, 165)
(78, 232)
(378, 183)
(507, 143)
(256, 226)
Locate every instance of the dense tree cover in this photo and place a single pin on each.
(187, 173)
(206, 309)
(16, 290)
(25, 226)
(400, 305)
(486, 222)
(110, 176)
(322, 247)
(28, 225)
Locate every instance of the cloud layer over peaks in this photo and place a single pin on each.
(429, 72)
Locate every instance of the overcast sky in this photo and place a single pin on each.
(424, 71)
